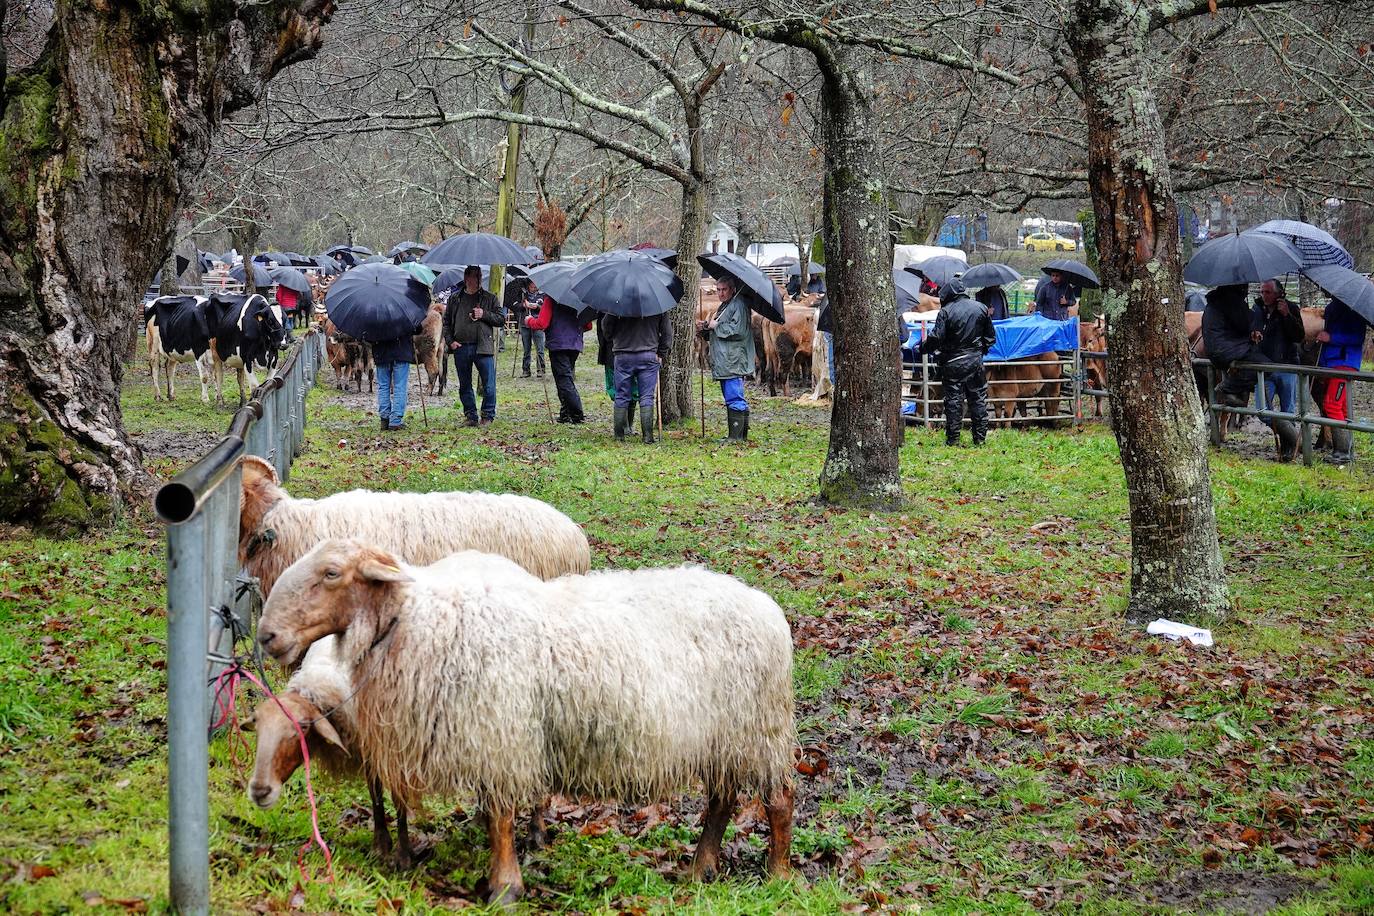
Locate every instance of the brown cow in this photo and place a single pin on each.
(1035, 376)
(1092, 337)
(349, 357)
(785, 344)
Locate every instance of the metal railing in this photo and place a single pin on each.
(918, 382)
(200, 507)
(1305, 415)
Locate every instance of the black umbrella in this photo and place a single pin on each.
(262, 277)
(940, 269)
(1081, 274)
(350, 249)
(403, 247)
(536, 254)
(666, 255)
(1242, 258)
(327, 265)
(280, 258)
(627, 284)
(760, 292)
(300, 260)
(476, 248)
(1349, 286)
(814, 269)
(908, 289)
(377, 302)
(375, 259)
(292, 279)
(992, 273)
(556, 280)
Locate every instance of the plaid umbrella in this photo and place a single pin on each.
(1315, 246)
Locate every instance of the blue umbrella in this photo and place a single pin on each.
(760, 292)
(261, 276)
(377, 302)
(1315, 246)
(1242, 258)
(1349, 286)
(476, 248)
(992, 273)
(940, 269)
(420, 272)
(627, 284)
(1082, 274)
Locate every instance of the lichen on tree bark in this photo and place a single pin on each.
(98, 143)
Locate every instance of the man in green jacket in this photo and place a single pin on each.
(470, 321)
(731, 353)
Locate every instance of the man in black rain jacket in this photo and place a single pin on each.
(962, 335)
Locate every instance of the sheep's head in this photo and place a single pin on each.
(279, 745)
(322, 592)
(261, 491)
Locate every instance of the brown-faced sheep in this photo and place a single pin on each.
(317, 697)
(276, 529)
(472, 676)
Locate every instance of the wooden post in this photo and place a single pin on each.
(510, 169)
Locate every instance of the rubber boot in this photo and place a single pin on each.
(738, 421)
(622, 423)
(646, 426)
(630, 415)
(1288, 439)
(1342, 446)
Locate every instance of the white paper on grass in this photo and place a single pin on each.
(1171, 629)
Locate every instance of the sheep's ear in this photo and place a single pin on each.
(325, 730)
(255, 469)
(381, 568)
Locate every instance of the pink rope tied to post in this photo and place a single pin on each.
(231, 676)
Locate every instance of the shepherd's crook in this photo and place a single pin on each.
(702, 372)
(547, 406)
(420, 385)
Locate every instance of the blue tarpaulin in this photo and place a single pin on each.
(1017, 338)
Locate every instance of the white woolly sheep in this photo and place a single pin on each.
(317, 697)
(276, 529)
(473, 676)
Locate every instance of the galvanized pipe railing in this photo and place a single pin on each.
(200, 507)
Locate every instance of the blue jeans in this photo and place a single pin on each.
(732, 389)
(465, 358)
(641, 368)
(1285, 384)
(830, 353)
(391, 392)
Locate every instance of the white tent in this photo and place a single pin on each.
(902, 255)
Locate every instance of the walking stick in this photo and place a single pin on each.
(658, 405)
(419, 384)
(702, 373)
(547, 406)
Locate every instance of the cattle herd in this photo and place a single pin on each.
(235, 331)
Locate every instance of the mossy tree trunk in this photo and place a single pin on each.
(99, 139)
(861, 465)
(1176, 564)
(680, 370)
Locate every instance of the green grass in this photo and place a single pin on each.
(994, 739)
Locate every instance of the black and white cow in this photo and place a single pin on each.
(247, 332)
(178, 332)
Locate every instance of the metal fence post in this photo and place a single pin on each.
(1304, 428)
(1077, 388)
(188, 765)
(1213, 420)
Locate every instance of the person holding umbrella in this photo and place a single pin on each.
(1342, 342)
(565, 336)
(1230, 335)
(470, 320)
(640, 346)
(731, 353)
(1054, 297)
